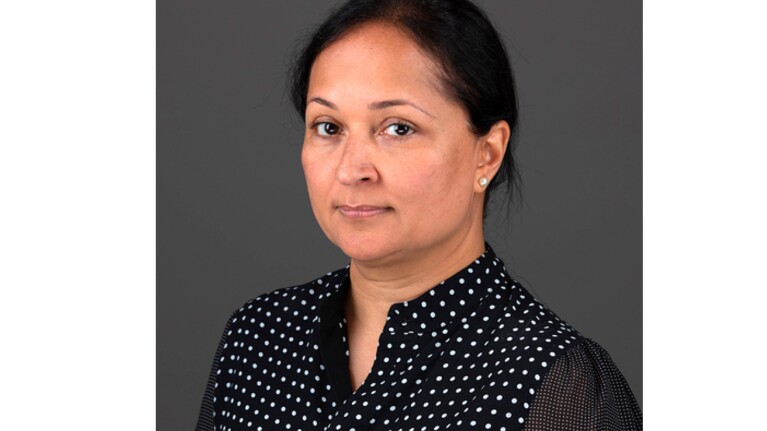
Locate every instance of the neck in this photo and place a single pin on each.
(375, 287)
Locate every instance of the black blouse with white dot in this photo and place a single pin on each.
(477, 351)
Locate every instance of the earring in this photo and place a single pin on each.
(483, 181)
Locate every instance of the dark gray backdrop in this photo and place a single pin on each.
(232, 205)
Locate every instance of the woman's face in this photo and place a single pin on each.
(391, 166)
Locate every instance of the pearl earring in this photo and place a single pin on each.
(483, 181)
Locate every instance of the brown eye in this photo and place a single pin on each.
(327, 129)
(398, 129)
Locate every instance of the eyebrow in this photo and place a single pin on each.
(375, 105)
(323, 102)
(396, 102)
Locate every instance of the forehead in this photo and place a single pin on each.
(375, 60)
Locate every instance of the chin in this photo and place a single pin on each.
(366, 248)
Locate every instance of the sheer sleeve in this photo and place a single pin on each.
(584, 390)
(205, 418)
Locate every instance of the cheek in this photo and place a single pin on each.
(318, 186)
(313, 167)
(316, 181)
(440, 183)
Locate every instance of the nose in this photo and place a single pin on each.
(356, 164)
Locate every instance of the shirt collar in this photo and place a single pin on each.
(441, 305)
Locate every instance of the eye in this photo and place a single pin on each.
(398, 129)
(327, 129)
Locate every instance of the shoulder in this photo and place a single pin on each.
(578, 386)
(536, 340)
(287, 306)
(550, 339)
(528, 323)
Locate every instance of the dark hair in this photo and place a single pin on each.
(460, 37)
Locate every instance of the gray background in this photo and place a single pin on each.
(233, 218)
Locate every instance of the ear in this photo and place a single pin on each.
(491, 149)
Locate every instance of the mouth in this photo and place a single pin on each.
(362, 211)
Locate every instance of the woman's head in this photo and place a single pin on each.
(408, 105)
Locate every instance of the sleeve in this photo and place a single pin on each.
(205, 419)
(584, 390)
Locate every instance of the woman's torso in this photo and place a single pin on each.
(471, 353)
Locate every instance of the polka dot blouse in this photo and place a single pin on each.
(476, 352)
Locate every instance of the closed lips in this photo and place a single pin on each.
(360, 211)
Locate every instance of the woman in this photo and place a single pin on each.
(409, 107)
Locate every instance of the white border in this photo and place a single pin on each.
(77, 236)
(704, 213)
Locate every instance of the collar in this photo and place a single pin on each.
(437, 308)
